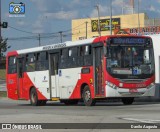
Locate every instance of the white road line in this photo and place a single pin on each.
(142, 120)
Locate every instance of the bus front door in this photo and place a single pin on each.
(98, 70)
(54, 75)
(20, 77)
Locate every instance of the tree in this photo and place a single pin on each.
(3, 47)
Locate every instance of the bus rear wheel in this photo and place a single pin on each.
(127, 101)
(34, 97)
(87, 98)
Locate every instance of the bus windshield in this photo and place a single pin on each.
(134, 60)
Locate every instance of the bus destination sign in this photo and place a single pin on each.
(128, 40)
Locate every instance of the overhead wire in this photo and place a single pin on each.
(43, 35)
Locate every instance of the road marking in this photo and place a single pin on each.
(142, 120)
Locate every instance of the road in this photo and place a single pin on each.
(55, 112)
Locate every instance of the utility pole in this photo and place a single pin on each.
(122, 7)
(39, 38)
(86, 29)
(60, 32)
(138, 20)
(0, 30)
(0, 22)
(110, 17)
(99, 30)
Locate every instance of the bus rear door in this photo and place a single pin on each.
(20, 77)
(54, 74)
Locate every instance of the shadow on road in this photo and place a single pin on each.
(97, 104)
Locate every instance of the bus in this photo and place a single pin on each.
(107, 67)
(156, 47)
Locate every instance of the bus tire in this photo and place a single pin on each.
(127, 101)
(34, 98)
(86, 95)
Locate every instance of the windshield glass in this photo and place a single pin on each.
(130, 60)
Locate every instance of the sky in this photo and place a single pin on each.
(49, 17)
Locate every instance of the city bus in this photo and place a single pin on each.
(108, 67)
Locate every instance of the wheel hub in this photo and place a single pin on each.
(87, 96)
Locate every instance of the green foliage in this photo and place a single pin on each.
(2, 74)
(3, 46)
(3, 94)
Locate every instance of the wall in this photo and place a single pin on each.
(126, 21)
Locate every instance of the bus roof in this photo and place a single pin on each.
(66, 44)
(54, 46)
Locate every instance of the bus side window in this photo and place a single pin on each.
(70, 52)
(73, 52)
(30, 62)
(42, 61)
(82, 50)
(87, 50)
(63, 58)
(72, 60)
(12, 65)
(87, 55)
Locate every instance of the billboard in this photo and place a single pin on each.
(105, 24)
(139, 31)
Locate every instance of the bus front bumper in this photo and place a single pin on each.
(113, 91)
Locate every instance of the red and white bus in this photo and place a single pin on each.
(92, 69)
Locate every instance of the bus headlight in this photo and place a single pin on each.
(111, 85)
(150, 86)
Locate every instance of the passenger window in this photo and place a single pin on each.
(64, 53)
(30, 62)
(42, 61)
(12, 65)
(87, 50)
(70, 52)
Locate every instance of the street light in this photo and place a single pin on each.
(99, 30)
(110, 17)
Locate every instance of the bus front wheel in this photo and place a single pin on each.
(87, 98)
(127, 101)
(34, 97)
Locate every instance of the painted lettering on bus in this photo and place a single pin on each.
(55, 46)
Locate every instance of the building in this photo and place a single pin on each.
(88, 27)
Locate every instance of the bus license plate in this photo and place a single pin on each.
(133, 90)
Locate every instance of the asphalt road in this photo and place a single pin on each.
(54, 112)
